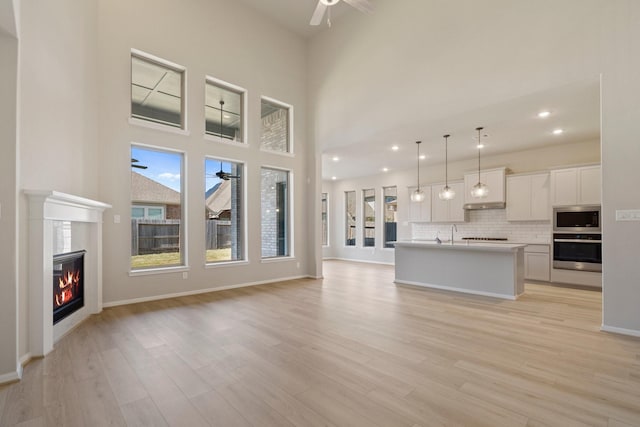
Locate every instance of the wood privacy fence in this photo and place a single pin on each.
(150, 236)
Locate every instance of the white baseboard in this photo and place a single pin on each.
(364, 261)
(26, 358)
(197, 292)
(623, 331)
(11, 377)
(464, 291)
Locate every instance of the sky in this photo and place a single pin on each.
(164, 167)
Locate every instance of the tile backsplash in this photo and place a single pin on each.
(487, 223)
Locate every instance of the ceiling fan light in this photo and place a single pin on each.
(329, 2)
(447, 193)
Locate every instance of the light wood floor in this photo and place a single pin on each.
(350, 350)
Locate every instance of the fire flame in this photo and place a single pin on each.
(67, 284)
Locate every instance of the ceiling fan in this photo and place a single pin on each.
(225, 176)
(134, 165)
(364, 6)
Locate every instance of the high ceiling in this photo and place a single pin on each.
(295, 15)
(512, 125)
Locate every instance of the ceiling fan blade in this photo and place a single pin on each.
(364, 6)
(316, 19)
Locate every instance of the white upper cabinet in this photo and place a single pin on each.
(493, 179)
(589, 185)
(448, 210)
(576, 186)
(528, 197)
(420, 211)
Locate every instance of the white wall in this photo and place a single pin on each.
(424, 63)
(8, 205)
(228, 41)
(58, 110)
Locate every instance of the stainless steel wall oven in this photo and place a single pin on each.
(577, 251)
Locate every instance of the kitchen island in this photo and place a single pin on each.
(490, 269)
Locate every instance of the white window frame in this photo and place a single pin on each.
(289, 107)
(245, 229)
(183, 222)
(346, 221)
(383, 217)
(291, 218)
(364, 218)
(182, 129)
(328, 243)
(244, 95)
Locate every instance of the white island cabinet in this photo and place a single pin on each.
(490, 269)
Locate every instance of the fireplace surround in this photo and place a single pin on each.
(80, 219)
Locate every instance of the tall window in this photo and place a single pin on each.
(156, 208)
(223, 210)
(369, 216)
(350, 219)
(157, 90)
(276, 129)
(390, 195)
(274, 196)
(325, 220)
(224, 111)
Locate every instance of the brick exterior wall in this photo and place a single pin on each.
(270, 180)
(275, 130)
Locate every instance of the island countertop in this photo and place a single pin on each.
(462, 245)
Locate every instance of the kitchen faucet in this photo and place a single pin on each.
(453, 226)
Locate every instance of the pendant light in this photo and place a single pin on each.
(479, 190)
(447, 192)
(418, 195)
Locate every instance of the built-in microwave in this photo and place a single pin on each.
(577, 219)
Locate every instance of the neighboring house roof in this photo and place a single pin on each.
(146, 190)
(219, 198)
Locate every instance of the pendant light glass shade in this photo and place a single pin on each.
(418, 194)
(479, 190)
(447, 192)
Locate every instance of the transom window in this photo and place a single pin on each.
(224, 110)
(276, 124)
(157, 90)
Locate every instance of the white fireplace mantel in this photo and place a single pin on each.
(45, 207)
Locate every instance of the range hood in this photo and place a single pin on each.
(492, 178)
(490, 205)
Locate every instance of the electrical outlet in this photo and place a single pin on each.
(185, 275)
(298, 264)
(116, 219)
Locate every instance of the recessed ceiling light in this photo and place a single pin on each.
(335, 158)
(333, 178)
(423, 156)
(557, 131)
(480, 146)
(544, 114)
(395, 148)
(226, 116)
(385, 169)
